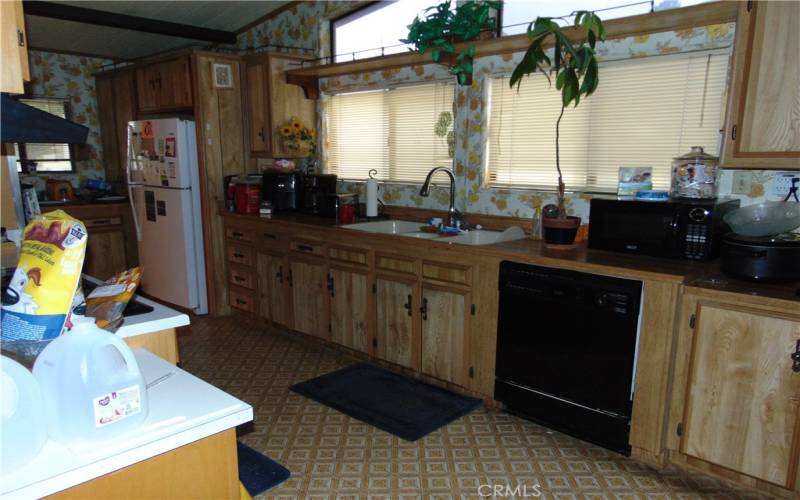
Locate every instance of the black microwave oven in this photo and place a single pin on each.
(674, 228)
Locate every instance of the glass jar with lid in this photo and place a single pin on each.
(695, 175)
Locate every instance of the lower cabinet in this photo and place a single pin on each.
(395, 305)
(444, 332)
(105, 252)
(349, 292)
(273, 303)
(309, 282)
(742, 399)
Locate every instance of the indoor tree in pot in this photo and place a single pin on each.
(442, 28)
(574, 66)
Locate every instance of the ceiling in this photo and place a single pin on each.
(115, 43)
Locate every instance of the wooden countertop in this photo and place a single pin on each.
(690, 273)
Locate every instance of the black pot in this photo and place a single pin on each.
(560, 232)
(769, 259)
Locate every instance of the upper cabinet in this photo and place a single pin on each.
(271, 102)
(164, 86)
(14, 47)
(763, 122)
(116, 105)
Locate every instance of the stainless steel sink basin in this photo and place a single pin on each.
(387, 226)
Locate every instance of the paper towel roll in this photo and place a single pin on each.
(372, 198)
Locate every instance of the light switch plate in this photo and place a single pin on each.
(782, 183)
(742, 182)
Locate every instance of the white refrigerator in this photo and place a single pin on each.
(164, 189)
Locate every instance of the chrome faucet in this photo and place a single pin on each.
(454, 217)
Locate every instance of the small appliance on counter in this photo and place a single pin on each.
(344, 207)
(675, 228)
(282, 190)
(59, 190)
(248, 195)
(315, 190)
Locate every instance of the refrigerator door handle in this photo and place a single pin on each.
(132, 197)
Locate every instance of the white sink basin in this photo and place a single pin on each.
(421, 235)
(486, 237)
(387, 226)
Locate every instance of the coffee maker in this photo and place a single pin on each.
(282, 189)
(316, 189)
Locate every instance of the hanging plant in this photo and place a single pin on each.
(443, 28)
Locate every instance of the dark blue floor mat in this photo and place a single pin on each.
(257, 472)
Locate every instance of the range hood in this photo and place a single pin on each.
(22, 123)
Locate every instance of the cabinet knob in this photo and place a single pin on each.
(20, 38)
(796, 358)
(407, 305)
(424, 309)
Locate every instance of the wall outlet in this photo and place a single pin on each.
(782, 182)
(742, 182)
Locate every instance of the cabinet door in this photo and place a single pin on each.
(146, 88)
(107, 116)
(105, 254)
(14, 47)
(742, 397)
(763, 125)
(265, 284)
(258, 119)
(124, 111)
(444, 324)
(174, 84)
(279, 299)
(349, 291)
(309, 282)
(395, 326)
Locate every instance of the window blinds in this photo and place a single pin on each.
(390, 130)
(644, 112)
(52, 157)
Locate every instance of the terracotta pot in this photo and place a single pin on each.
(560, 233)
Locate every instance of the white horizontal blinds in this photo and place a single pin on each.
(357, 135)
(49, 156)
(644, 112)
(390, 130)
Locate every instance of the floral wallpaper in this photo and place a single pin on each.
(70, 77)
(307, 25)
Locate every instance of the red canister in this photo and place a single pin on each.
(248, 196)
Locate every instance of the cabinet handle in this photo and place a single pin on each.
(796, 358)
(279, 274)
(20, 38)
(241, 302)
(305, 248)
(237, 234)
(733, 133)
(238, 255)
(407, 305)
(290, 279)
(261, 132)
(238, 278)
(101, 221)
(270, 236)
(330, 285)
(424, 309)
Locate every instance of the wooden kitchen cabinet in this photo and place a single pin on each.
(116, 106)
(164, 86)
(308, 281)
(763, 124)
(396, 302)
(445, 319)
(271, 102)
(350, 293)
(273, 289)
(741, 407)
(16, 70)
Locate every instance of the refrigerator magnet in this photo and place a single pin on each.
(169, 147)
(147, 130)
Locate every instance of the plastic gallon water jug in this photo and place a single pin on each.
(22, 425)
(91, 385)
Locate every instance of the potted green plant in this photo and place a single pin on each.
(442, 28)
(574, 65)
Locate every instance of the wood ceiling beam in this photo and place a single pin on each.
(123, 21)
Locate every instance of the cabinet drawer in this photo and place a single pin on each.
(105, 222)
(307, 247)
(241, 277)
(241, 255)
(448, 273)
(270, 239)
(349, 255)
(239, 234)
(395, 263)
(242, 299)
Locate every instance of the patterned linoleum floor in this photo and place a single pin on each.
(333, 456)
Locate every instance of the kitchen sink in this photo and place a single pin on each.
(387, 226)
(486, 237)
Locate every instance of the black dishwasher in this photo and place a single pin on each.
(566, 345)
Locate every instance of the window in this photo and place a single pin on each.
(644, 113)
(362, 33)
(49, 157)
(401, 132)
(517, 14)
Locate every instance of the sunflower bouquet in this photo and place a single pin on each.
(298, 139)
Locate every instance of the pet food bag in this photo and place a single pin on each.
(107, 302)
(39, 297)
